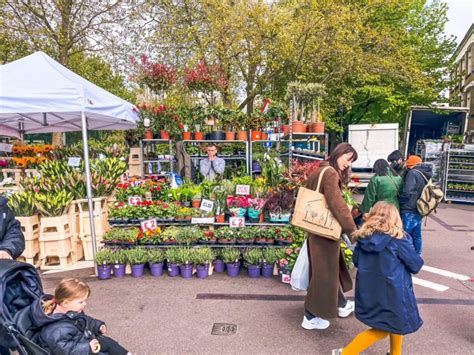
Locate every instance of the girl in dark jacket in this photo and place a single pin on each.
(68, 330)
(384, 298)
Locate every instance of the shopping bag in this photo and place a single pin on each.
(300, 273)
(313, 215)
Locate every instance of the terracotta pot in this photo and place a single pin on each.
(220, 218)
(164, 134)
(318, 127)
(229, 136)
(264, 136)
(199, 136)
(187, 136)
(260, 218)
(298, 127)
(285, 129)
(196, 203)
(242, 135)
(148, 134)
(305, 127)
(256, 135)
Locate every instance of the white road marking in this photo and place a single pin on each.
(445, 273)
(429, 284)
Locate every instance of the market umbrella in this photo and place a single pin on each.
(39, 95)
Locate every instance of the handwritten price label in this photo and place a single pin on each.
(207, 205)
(236, 222)
(149, 224)
(242, 190)
(74, 161)
(134, 200)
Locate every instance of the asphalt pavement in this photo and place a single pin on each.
(164, 315)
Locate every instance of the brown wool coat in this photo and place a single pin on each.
(328, 270)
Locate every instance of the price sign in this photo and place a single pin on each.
(236, 222)
(149, 224)
(4, 147)
(207, 205)
(242, 190)
(134, 200)
(74, 161)
(202, 220)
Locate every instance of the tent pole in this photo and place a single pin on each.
(88, 186)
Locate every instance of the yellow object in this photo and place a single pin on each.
(368, 337)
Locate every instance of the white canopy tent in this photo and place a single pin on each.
(39, 95)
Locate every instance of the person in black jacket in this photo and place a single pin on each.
(415, 180)
(66, 330)
(397, 164)
(12, 241)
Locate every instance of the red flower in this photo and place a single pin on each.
(180, 126)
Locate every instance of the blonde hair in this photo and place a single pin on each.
(67, 290)
(383, 217)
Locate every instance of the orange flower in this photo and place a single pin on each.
(47, 148)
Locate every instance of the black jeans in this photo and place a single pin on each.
(110, 346)
(341, 302)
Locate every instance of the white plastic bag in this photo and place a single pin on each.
(300, 273)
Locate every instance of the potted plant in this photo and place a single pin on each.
(207, 237)
(279, 204)
(137, 257)
(237, 205)
(120, 262)
(202, 257)
(104, 260)
(231, 258)
(168, 236)
(283, 236)
(219, 265)
(171, 255)
(253, 257)
(255, 209)
(269, 258)
(184, 259)
(196, 196)
(188, 235)
(156, 257)
(225, 235)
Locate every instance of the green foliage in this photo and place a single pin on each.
(53, 204)
(253, 256)
(136, 256)
(104, 257)
(230, 255)
(120, 256)
(202, 256)
(270, 256)
(184, 256)
(155, 256)
(22, 204)
(188, 235)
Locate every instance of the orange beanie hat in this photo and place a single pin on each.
(413, 160)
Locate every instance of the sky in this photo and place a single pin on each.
(461, 16)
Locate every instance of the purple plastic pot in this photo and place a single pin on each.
(267, 270)
(173, 270)
(119, 270)
(202, 271)
(253, 271)
(156, 269)
(219, 265)
(138, 270)
(186, 271)
(103, 272)
(233, 269)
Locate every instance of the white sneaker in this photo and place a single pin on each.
(336, 352)
(344, 312)
(315, 323)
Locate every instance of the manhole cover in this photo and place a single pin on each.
(224, 329)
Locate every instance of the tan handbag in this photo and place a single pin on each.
(313, 215)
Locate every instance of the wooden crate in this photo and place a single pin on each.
(100, 217)
(31, 253)
(56, 244)
(30, 226)
(87, 246)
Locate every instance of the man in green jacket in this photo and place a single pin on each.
(383, 186)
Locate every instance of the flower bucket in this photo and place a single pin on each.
(173, 270)
(199, 136)
(253, 214)
(202, 271)
(253, 271)
(148, 134)
(318, 127)
(298, 127)
(103, 272)
(186, 136)
(119, 270)
(256, 135)
(138, 270)
(229, 136)
(164, 134)
(219, 265)
(242, 135)
(196, 203)
(186, 271)
(267, 270)
(156, 269)
(233, 269)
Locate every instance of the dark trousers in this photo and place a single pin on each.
(110, 346)
(341, 302)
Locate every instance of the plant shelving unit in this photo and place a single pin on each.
(149, 145)
(459, 175)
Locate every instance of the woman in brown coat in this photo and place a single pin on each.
(328, 272)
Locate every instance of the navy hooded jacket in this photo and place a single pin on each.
(412, 187)
(11, 236)
(384, 297)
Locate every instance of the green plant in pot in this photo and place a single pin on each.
(156, 257)
(188, 235)
(137, 257)
(269, 258)
(225, 235)
(230, 255)
(104, 260)
(120, 261)
(253, 258)
(202, 258)
(169, 235)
